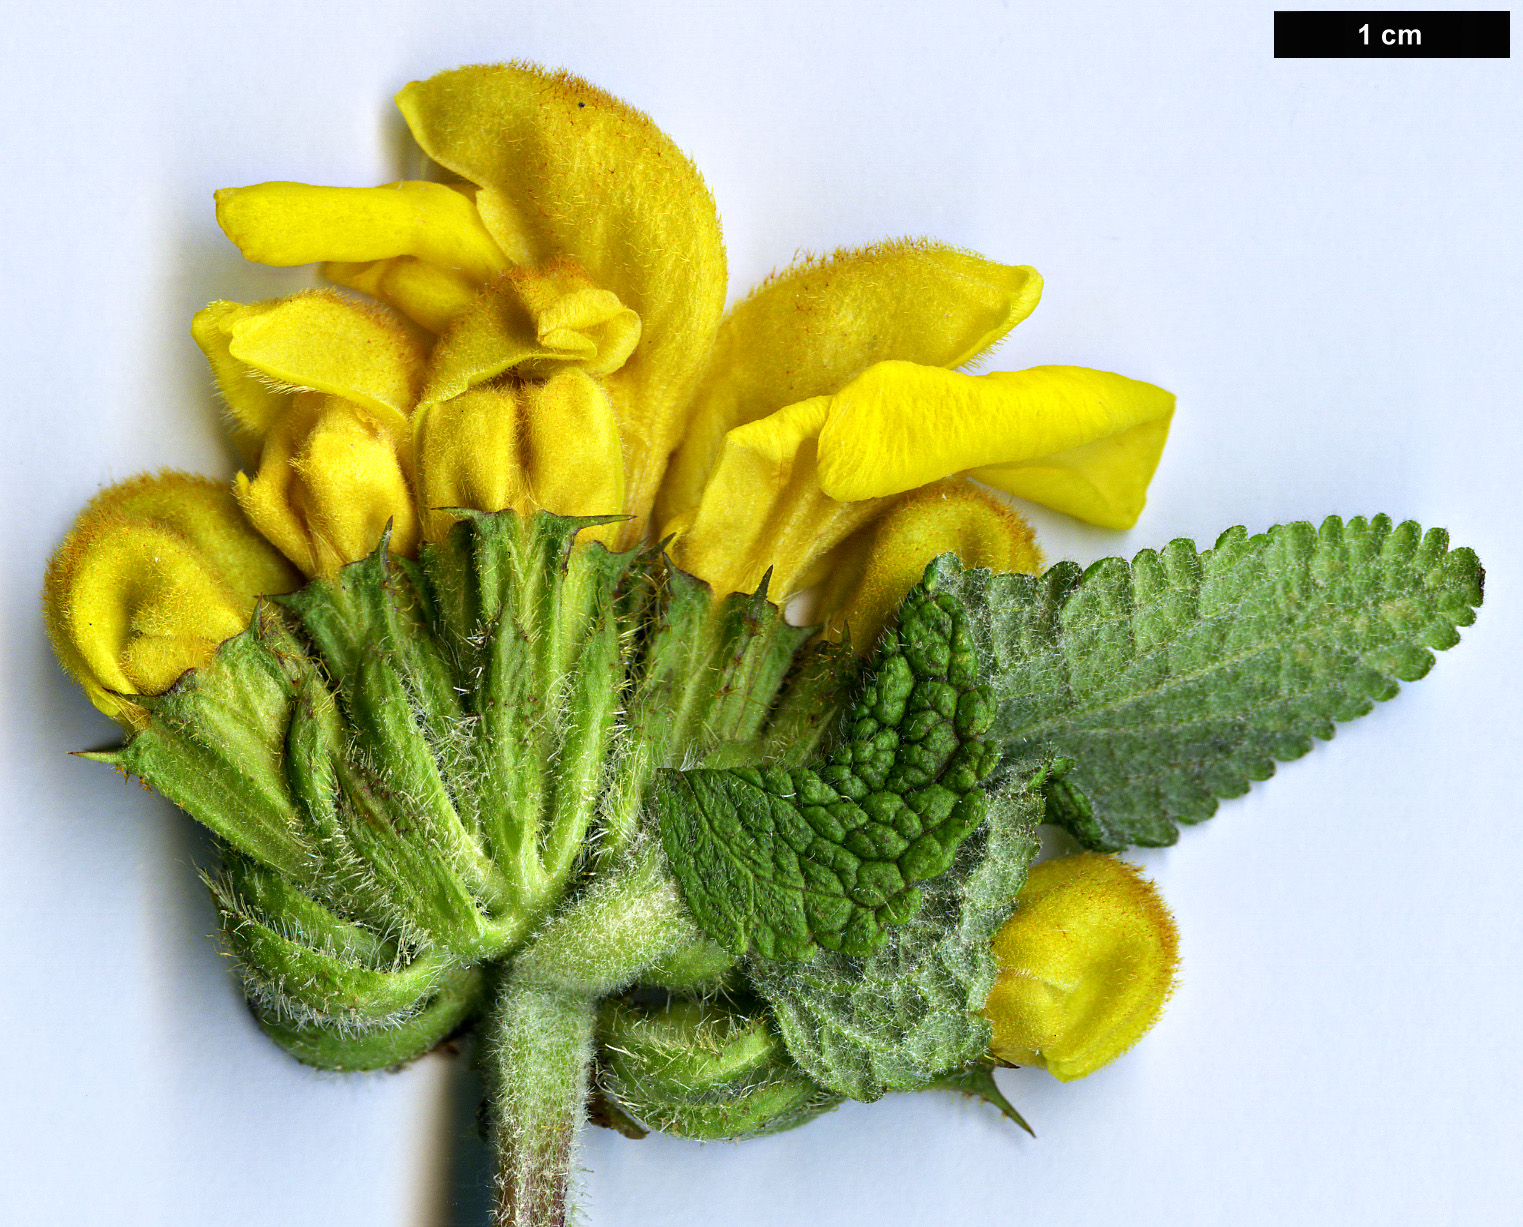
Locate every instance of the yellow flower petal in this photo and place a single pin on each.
(534, 321)
(1083, 441)
(469, 454)
(155, 574)
(323, 342)
(1104, 482)
(428, 295)
(252, 402)
(763, 508)
(317, 341)
(949, 517)
(574, 455)
(331, 476)
(1087, 962)
(570, 170)
(808, 330)
(296, 223)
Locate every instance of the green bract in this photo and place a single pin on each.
(699, 1069)
(791, 860)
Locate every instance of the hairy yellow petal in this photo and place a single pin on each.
(322, 342)
(296, 223)
(573, 451)
(205, 513)
(1092, 439)
(808, 330)
(569, 170)
(331, 476)
(1086, 962)
(430, 296)
(317, 341)
(469, 454)
(534, 321)
(952, 516)
(763, 508)
(155, 574)
(252, 402)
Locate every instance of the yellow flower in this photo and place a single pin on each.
(156, 573)
(564, 301)
(318, 391)
(831, 394)
(1086, 964)
(548, 333)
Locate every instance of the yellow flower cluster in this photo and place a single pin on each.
(546, 330)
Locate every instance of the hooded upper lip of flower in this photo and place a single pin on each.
(548, 331)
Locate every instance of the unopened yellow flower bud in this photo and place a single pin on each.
(331, 475)
(1086, 964)
(865, 585)
(468, 455)
(551, 446)
(573, 453)
(156, 573)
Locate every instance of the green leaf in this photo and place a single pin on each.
(903, 1018)
(1183, 677)
(788, 861)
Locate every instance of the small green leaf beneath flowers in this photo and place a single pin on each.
(788, 861)
(905, 1017)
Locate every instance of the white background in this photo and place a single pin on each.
(1319, 257)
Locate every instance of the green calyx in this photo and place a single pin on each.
(703, 1070)
(415, 766)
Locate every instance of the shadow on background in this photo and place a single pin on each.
(471, 1167)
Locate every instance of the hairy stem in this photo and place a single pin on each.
(540, 1048)
(539, 1030)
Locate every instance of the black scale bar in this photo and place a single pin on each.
(1392, 35)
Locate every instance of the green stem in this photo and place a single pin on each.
(538, 1033)
(539, 1052)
